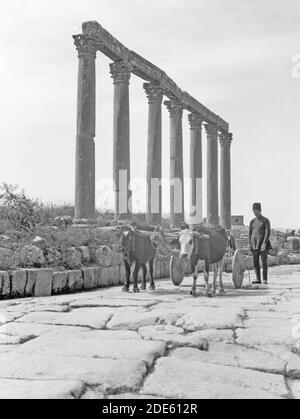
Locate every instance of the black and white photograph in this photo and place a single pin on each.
(149, 202)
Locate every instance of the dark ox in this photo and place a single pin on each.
(137, 248)
(208, 245)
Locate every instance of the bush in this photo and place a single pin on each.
(20, 213)
(17, 211)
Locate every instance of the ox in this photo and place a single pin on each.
(208, 245)
(137, 247)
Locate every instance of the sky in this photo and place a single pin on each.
(240, 58)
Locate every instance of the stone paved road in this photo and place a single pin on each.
(154, 345)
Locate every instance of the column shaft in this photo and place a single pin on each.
(176, 164)
(154, 156)
(225, 195)
(85, 145)
(212, 175)
(121, 72)
(196, 200)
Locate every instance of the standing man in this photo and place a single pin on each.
(259, 241)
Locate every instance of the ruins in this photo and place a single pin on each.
(157, 85)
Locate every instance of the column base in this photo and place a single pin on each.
(85, 222)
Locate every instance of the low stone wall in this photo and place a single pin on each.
(46, 282)
(71, 260)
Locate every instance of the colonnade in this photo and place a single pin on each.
(157, 86)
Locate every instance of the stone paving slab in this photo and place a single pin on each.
(36, 329)
(94, 317)
(268, 323)
(32, 308)
(198, 318)
(235, 356)
(173, 337)
(260, 336)
(179, 378)
(105, 345)
(109, 373)
(132, 319)
(40, 389)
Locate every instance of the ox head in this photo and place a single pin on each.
(187, 243)
(125, 235)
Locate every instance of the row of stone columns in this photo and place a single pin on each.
(85, 150)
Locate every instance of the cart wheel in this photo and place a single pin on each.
(177, 269)
(238, 269)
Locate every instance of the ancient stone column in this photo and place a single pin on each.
(212, 175)
(196, 201)
(176, 163)
(85, 144)
(154, 156)
(225, 196)
(121, 73)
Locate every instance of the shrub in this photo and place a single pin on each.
(17, 210)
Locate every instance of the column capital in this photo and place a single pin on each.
(211, 130)
(195, 120)
(153, 92)
(85, 45)
(120, 71)
(225, 139)
(175, 107)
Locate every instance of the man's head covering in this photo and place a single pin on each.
(184, 226)
(256, 206)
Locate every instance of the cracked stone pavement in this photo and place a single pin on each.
(156, 344)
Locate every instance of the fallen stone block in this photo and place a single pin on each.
(4, 284)
(75, 281)
(31, 256)
(85, 254)
(72, 258)
(104, 256)
(41, 282)
(18, 281)
(59, 282)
